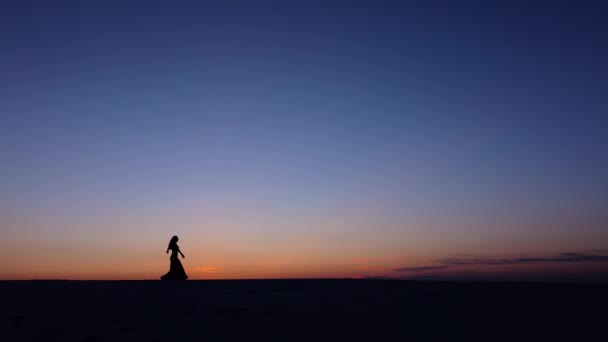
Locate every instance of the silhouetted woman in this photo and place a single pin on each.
(176, 270)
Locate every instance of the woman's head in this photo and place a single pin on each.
(173, 241)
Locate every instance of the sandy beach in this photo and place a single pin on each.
(281, 310)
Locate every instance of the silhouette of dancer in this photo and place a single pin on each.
(176, 270)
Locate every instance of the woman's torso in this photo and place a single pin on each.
(174, 251)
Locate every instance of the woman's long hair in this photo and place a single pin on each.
(172, 243)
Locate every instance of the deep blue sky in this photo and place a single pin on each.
(397, 131)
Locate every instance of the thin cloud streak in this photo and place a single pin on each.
(567, 257)
(420, 269)
(563, 257)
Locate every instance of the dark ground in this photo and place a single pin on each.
(285, 310)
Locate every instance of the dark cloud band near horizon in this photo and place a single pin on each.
(420, 269)
(566, 257)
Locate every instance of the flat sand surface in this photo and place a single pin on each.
(284, 310)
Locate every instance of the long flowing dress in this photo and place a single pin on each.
(176, 270)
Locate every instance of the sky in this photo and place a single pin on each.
(304, 139)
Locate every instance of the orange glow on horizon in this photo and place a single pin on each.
(209, 269)
(242, 246)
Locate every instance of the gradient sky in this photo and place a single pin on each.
(303, 139)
